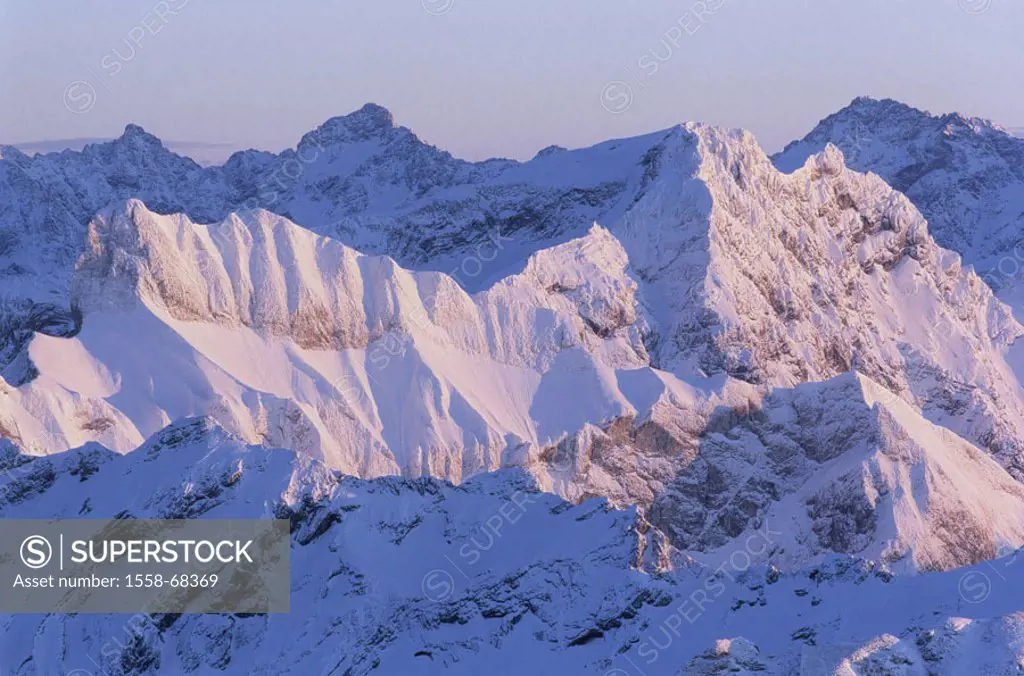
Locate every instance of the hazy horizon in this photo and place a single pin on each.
(495, 80)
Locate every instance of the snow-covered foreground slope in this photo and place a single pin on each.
(401, 576)
(841, 466)
(966, 175)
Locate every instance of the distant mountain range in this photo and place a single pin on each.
(204, 153)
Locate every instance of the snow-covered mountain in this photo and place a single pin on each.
(287, 336)
(689, 345)
(205, 154)
(720, 265)
(360, 179)
(404, 576)
(965, 174)
(596, 383)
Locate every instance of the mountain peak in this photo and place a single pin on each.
(136, 135)
(976, 124)
(943, 163)
(10, 152)
(375, 114)
(870, 102)
(872, 111)
(369, 122)
(891, 113)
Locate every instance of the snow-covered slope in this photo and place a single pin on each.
(359, 179)
(965, 174)
(841, 466)
(402, 576)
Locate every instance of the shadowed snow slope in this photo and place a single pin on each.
(414, 577)
(769, 398)
(740, 270)
(778, 279)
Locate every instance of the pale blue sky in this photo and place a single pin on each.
(494, 77)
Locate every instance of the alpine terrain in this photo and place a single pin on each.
(665, 405)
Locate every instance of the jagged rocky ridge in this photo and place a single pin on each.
(965, 174)
(417, 576)
(771, 279)
(778, 279)
(358, 178)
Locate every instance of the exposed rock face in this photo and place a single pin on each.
(840, 466)
(757, 400)
(728, 656)
(358, 178)
(779, 279)
(559, 385)
(292, 338)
